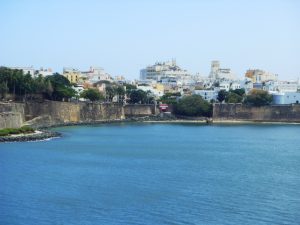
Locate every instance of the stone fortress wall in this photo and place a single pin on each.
(49, 113)
(272, 113)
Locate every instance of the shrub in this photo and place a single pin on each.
(92, 95)
(233, 98)
(4, 132)
(14, 131)
(258, 98)
(8, 131)
(26, 129)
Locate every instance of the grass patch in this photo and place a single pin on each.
(22, 130)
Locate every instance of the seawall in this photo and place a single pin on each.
(140, 110)
(272, 113)
(51, 113)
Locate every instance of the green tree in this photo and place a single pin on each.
(193, 105)
(170, 98)
(222, 95)
(258, 98)
(232, 97)
(130, 87)
(121, 93)
(3, 89)
(240, 92)
(61, 86)
(138, 96)
(92, 95)
(110, 92)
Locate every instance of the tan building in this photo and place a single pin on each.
(259, 76)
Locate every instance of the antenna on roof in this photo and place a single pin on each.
(173, 61)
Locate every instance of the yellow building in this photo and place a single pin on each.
(72, 75)
(160, 87)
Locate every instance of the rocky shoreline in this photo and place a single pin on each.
(37, 136)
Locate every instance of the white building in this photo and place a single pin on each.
(286, 98)
(287, 86)
(78, 88)
(235, 85)
(280, 86)
(227, 85)
(246, 84)
(156, 92)
(163, 70)
(26, 70)
(96, 74)
(208, 95)
(44, 72)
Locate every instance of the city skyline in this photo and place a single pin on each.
(123, 37)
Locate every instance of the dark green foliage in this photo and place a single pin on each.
(258, 98)
(15, 82)
(3, 89)
(193, 105)
(4, 132)
(129, 88)
(92, 94)
(222, 95)
(170, 98)
(232, 97)
(240, 92)
(112, 90)
(59, 87)
(26, 129)
(120, 90)
(110, 93)
(138, 96)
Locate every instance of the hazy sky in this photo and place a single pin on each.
(125, 36)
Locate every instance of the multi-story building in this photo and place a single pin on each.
(156, 92)
(227, 85)
(287, 86)
(259, 76)
(33, 72)
(246, 84)
(44, 72)
(73, 75)
(220, 73)
(162, 70)
(96, 74)
(208, 95)
(279, 86)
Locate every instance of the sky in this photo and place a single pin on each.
(124, 36)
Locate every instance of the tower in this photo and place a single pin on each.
(215, 66)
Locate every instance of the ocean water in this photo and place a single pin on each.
(154, 174)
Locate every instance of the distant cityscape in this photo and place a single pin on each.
(167, 77)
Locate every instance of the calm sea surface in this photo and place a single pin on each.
(154, 174)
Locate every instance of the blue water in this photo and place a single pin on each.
(154, 174)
